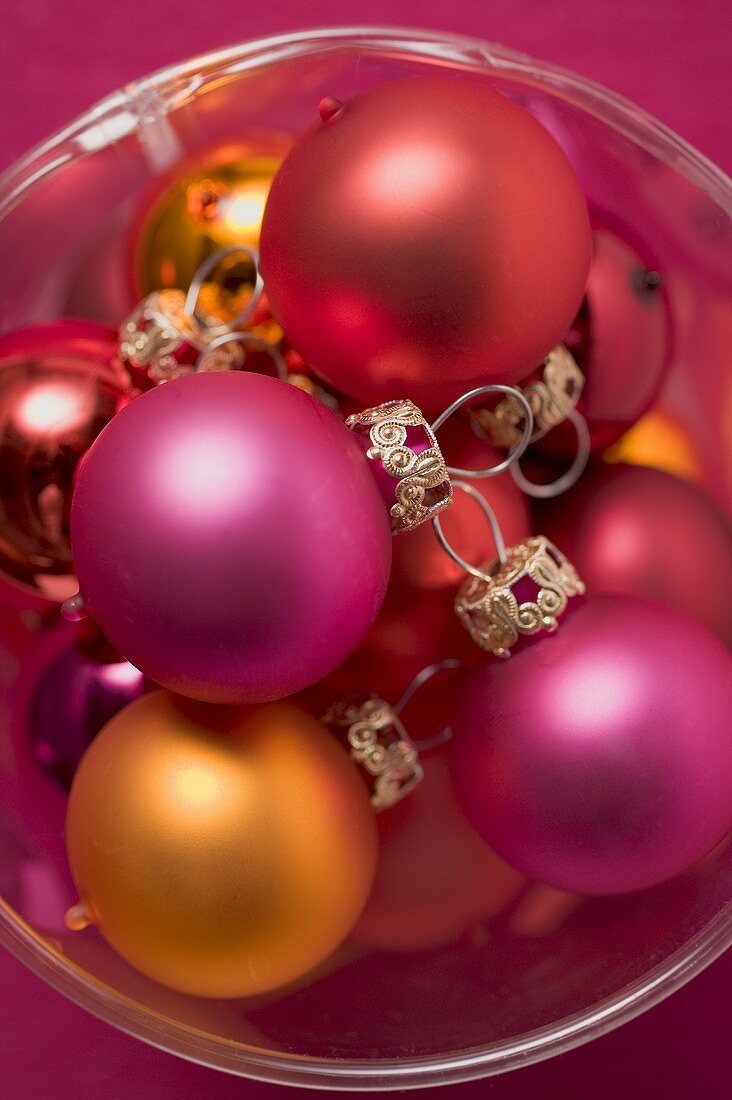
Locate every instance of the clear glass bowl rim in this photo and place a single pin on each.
(170, 87)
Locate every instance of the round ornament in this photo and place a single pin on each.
(435, 878)
(223, 852)
(636, 531)
(601, 763)
(422, 238)
(211, 201)
(59, 386)
(620, 339)
(80, 685)
(229, 538)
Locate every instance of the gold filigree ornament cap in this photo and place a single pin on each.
(551, 397)
(167, 335)
(408, 465)
(409, 457)
(378, 742)
(522, 592)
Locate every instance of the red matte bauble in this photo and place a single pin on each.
(413, 629)
(600, 760)
(638, 531)
(59, 386)
(425, 237)
(229, 538)
(418, 559)
(621, 340)
(435, 877)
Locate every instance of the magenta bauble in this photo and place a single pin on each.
(638, 531)
(229, 538)
(600, 760)
(426, 236)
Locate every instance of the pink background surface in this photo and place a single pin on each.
(669, 56)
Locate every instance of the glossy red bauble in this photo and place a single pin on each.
(60, 385)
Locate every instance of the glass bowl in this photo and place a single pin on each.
(541, 971)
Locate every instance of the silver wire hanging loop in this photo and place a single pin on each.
(423, 677)
(248, 341)
(572, 475)
(208, 266)
(518, 448)
(495, 531)
(573, 397)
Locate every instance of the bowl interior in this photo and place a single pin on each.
(539, 970)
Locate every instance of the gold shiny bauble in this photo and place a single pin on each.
(213, 202)
(222, 851)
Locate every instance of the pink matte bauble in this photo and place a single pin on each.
(435, 877)
(424, 237)
(229, 538)
(639, 531)
(600, 761)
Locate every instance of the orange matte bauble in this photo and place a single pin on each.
(427, 236)
(222, 851)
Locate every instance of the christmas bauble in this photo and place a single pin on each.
(621, 340)
(424, 237)
(222, 851)
(210, 201)
(435, 877)
(229, 538)
(637, 531)
(59, 386)
(81, 683)
(413, 629)
(600, 761)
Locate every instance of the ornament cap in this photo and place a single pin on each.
(379, 743)
(551, 398)
(411, 469)
(521, 595)
(329, 108)
(79, 917)
(167, 335)
(74, 609)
